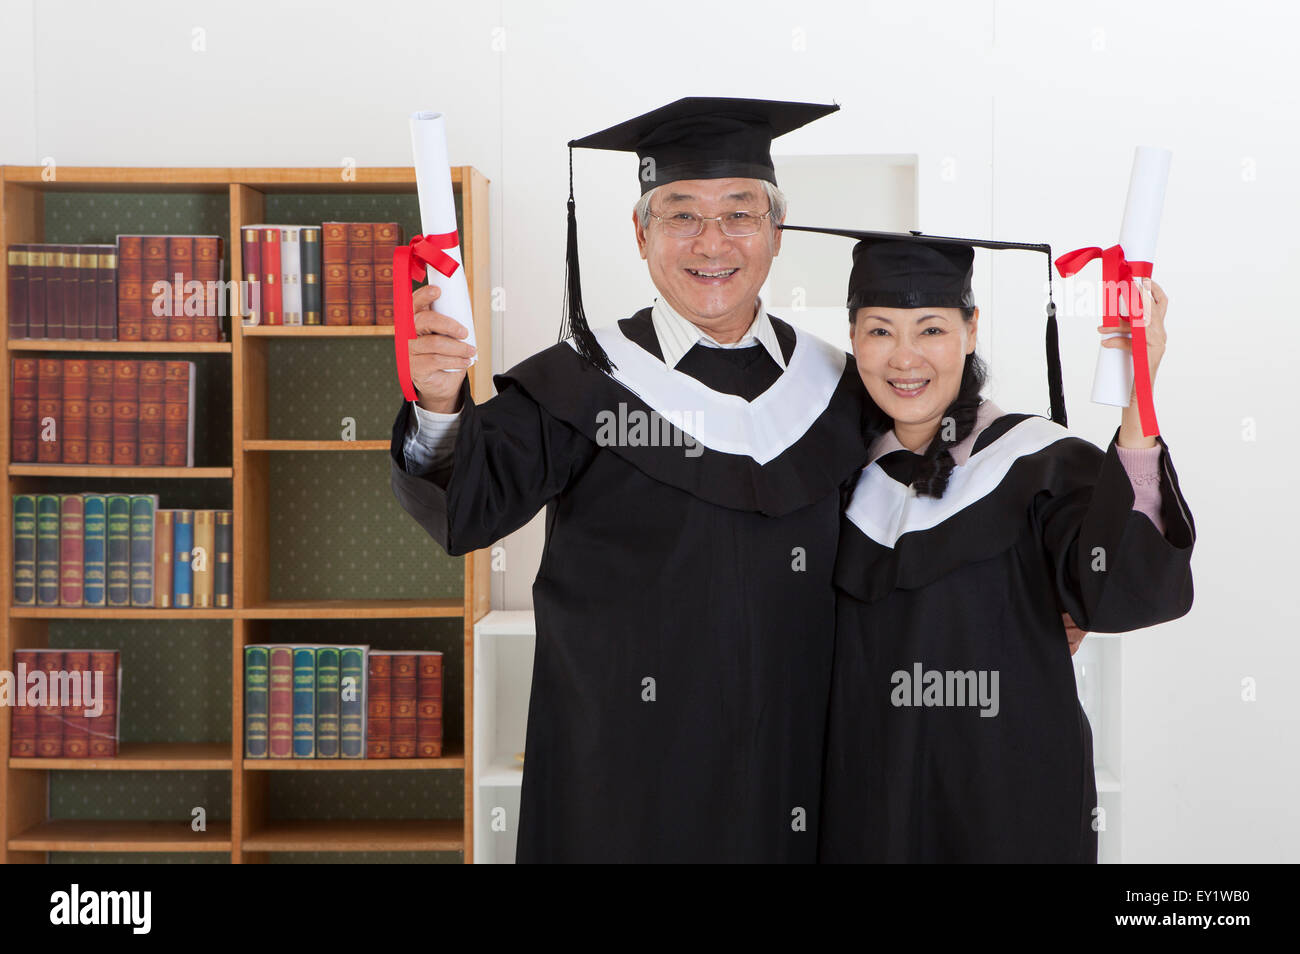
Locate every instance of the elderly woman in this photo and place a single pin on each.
(954, 731)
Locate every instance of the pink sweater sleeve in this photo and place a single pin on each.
(1142, 464)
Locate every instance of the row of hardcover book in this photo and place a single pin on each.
(106, 550)
(290, 266)
(108, 411)
(143, 288)
(65, 703)
(309, 701)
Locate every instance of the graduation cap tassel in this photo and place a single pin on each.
(575, 319)
(1054, 383)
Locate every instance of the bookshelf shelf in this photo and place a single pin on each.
(354, 609)
(272, 445)
(154, 347)
(86, 470)
(38, 205)
(437, 834)
(453, 759)
(145, 757)
(137, 612)
(97, 835)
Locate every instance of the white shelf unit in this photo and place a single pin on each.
(1099, 679)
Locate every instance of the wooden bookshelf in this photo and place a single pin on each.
(27, 833)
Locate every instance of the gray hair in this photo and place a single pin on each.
(775, 201)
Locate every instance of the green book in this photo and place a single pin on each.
(118, 532)
(24, 549)
(95, 572)
(327, 702)
(352, 701)
(257, 701)
(47, 549)
(304, 702)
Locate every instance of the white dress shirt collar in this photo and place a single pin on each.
(677, 335)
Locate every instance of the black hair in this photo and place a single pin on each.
(931, 479)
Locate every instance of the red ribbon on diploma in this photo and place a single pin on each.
(409, 265)
(1117, 274)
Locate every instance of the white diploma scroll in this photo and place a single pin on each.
(438, 214)
(1112, 382)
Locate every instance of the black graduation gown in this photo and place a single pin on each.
(684, 606)
(977, 581)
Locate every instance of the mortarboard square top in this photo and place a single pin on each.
(705, 137)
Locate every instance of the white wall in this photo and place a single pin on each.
(1022, 116)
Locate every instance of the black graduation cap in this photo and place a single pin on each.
(913, 270)
(698, 137)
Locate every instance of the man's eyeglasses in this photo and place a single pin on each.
(737, 224)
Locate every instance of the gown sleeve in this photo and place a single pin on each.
(511, 458)
(1114, 570)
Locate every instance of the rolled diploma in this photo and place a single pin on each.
(1112, 381)
(438, 214)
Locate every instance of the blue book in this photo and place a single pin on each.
(95, 567)
(182, 544)
(117, 529)
(47, 549)
(142, 558)
(24, 549)
(304, 702)
(327, 702)
(257, 700)
(352, 701)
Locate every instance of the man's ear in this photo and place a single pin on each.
(776, 241)
(640, 233)
(973, 328)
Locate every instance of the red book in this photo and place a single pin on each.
(49, 717)
(22, 726)
(76, 410)
(178, 413)
(388, 235)
(271, 292)
(49, 406)
(361, 273)
(55, 264)
(379, 703)
(280, 703)
(99, 433)
(103, 729)
(180, 270)
(19, 256)
(251, 293)
(428, 713)
(87, 258)
(130, 287)
(106, 293)
(126, 412)
(404, 696)
(23, 416)
(76, 727)
(157, 296)
(208, 251)
(334, 266)
(71, 549)
(151, 413)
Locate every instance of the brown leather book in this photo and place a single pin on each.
(130, 287)
(361, 273)
(379, 705)
(36, 273)
(156, 294)
(87, 262)
(178, 414)
(19, 257)
(71, 293)
(179, 325)
(388, 235)
(251, 261)
(72, 557)
(23, 416)
(428, 713)
(99, 432)
(151, 413)
(76, 727)
(204, 573)
(106, 292)
(208, 262)
(334, 271)
(126, 412)
(49, 424)
(104, 727)
(54, 265)
(162, 559)
(404, 696)
(76, 410)
(22, 727)
(49, 717)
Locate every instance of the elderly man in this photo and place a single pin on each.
(691, 460)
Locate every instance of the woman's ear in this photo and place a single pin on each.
(972, 328)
